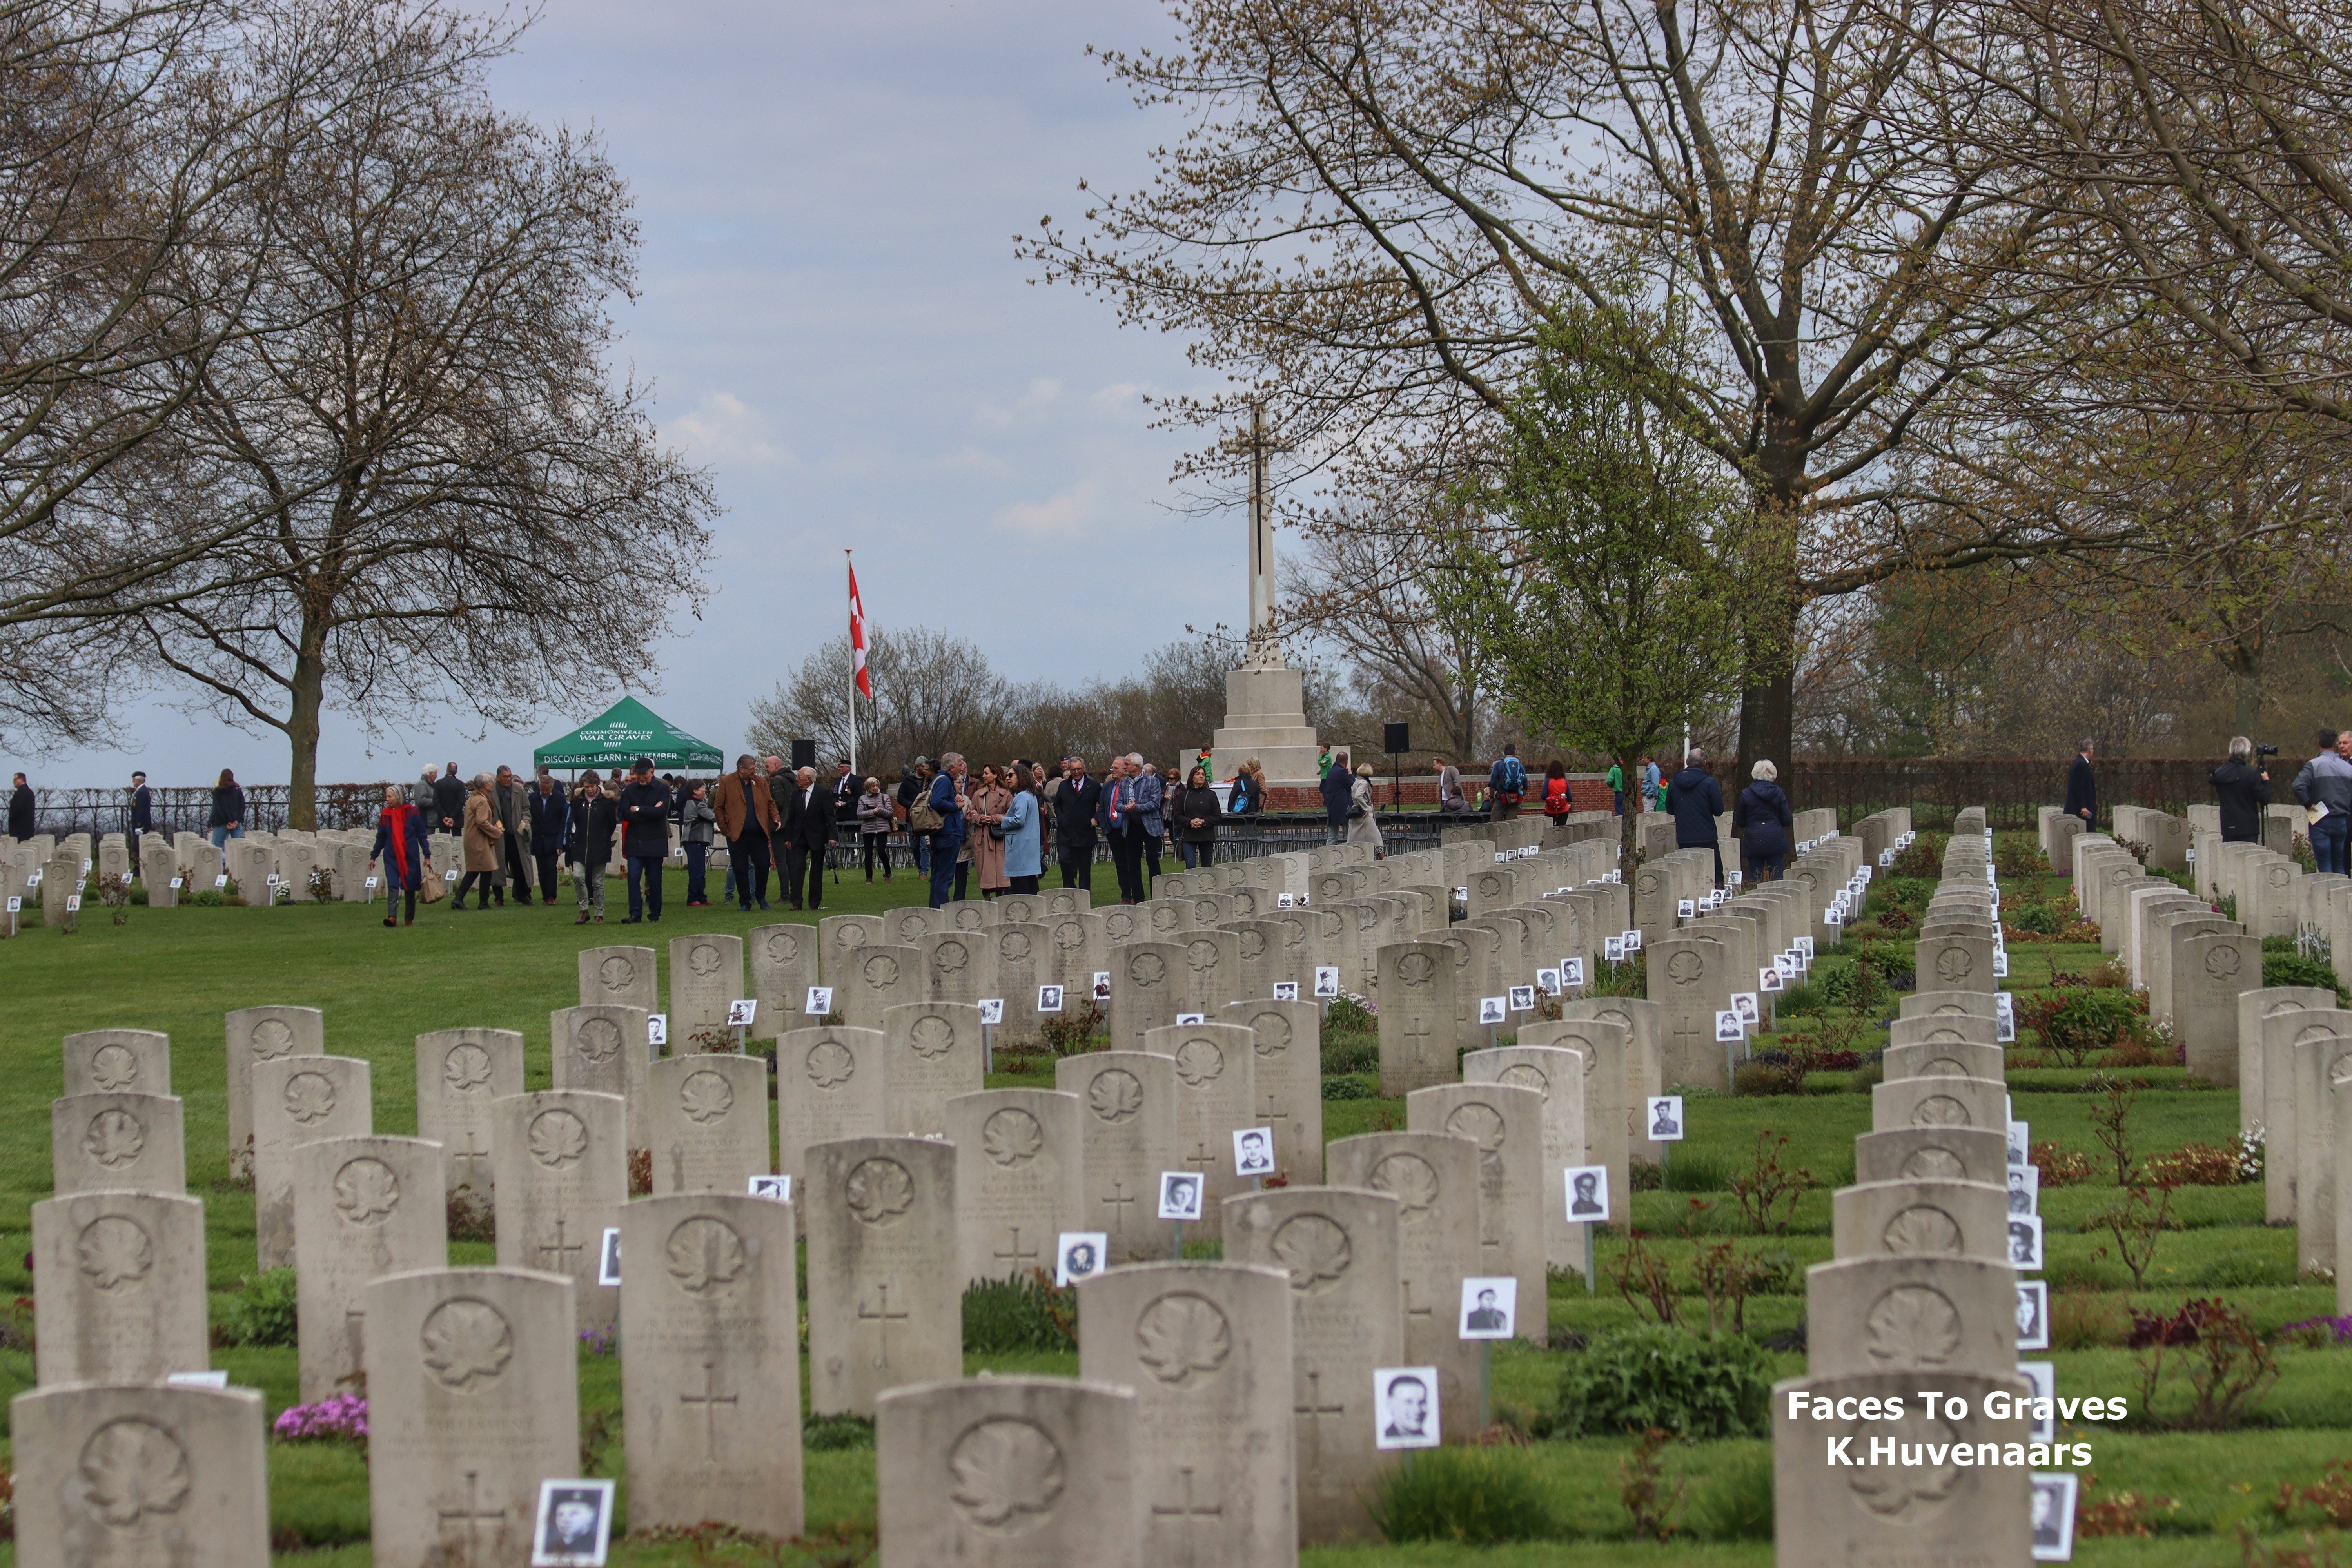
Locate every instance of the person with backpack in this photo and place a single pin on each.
(1506, 784)
(1556, 802)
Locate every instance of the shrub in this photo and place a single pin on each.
(2075, 1024)
(1689, 1384)
(1923, 858)
(1473, 1496)
(1026, 1312)
(2212, 1347)
(1859, 985)
(341, 1418)
(1800, 1001)
(2199, 1165)
(470, 1219)
(2293, 969)
(1348, 1086)
(262, 1312)
(1350, 1054)
(2059, 1166)
(1735, 1503)
(1349, 1016)
(1071, 1033)
(2039, 919)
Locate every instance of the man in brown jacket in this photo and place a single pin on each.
(746, 814)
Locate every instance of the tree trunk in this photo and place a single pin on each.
(1768, 709)
(307, 694)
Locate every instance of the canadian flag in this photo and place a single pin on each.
(857, 639)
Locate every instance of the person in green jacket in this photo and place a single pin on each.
(1617, 787)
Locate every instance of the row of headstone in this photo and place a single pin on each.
(1923, 1282)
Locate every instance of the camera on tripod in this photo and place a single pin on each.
(2262, 750)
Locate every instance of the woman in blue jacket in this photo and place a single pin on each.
(1025, 844)
(401, 846)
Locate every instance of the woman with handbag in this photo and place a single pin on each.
(986, 811)
(483, 830)
(1195, 817)
(400, 844)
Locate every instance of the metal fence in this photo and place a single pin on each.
(64, 812)
(1274, 832)
(2010, 789)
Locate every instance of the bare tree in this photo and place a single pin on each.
(129, 135)
(1365, 591)
(422, 477)
(1377, 204)
(932, 693)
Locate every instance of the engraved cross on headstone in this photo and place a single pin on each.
(1315, 1410)
(1689, 1036)
(1185, 1513)
(882, 1318)
(1417, 1032)
(564, 1252)
(1272, 1109)
(710, 1399)
(470, 1159)
(1118, 1202)
(1199, 1159)
(1410, 1310)
(472, 1516)
(1017, 1254)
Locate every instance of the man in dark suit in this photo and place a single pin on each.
(21, 810)
(549, 810)
(1487, 1317)
(645, 808)
(808, 831)
(1075, 804)
(449, 804)
(846, 787)
(142, 811)
(2082, 789)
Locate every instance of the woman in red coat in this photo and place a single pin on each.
(400, 845)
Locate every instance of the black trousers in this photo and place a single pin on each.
(1077, 866)
(548, 860)
(746, 862)
(801, 858)
(877, 846)
(517, 875)
(1127, 856)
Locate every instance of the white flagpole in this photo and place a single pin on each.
(853, 681)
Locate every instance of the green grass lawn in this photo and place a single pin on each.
(180, 970)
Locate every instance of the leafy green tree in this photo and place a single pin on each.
(1599, 557)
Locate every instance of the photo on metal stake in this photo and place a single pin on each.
(1405, 1403)
(575, 1527)
(1665, 1113)
(1588, 1192)
(1078, 1254)
(1489, 1307)
(1180, 1195)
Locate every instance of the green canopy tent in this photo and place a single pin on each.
(620, 735)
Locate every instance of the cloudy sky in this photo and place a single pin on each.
(837, 327)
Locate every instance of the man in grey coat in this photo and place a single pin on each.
(2324, 785)
(508, 798)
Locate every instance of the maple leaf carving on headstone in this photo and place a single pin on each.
(465, 1344)
(112, 1252)
(1181, 1338)
(704, 1254)
(366, 1191)
(1115, 1095)
(1199, 1062)
(1004, 1472)
(1012, 1137)
(705, 1097)
(830, 1064)
(114, 1139)
(113, 1068)
(558, 1139)
(1912, 1327)
(1409, 1179)
(132, 1468)
(467, 1068)
(879, 1190)
(1316, 1251)
(930, 1036)
(310, 1097)
(598, 1040)
(1922, 1231)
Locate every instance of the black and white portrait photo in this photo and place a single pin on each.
(1326, 981)
(2033, 1314)
(1286, 990)
(1612, 949)
(2025, 1241)
(1490, 1010)
(1548, 982)
(608, 1256)
(1078, 1254)
(2018, 1146)
(819, 1001)
(1665, 1113)
(1049, 998)
(574, 1526)
(1522, 998)
(1405, 1403)
(1254, 1151)
(991, 1009)
(1180, 1195)
(1728, 1029)
(1744, 1004)
(1588, 1192)
(1571, 973)
(2024, 1189)
(775, 1189)
(2053, 1516)
(2043, 1376)
(1489, 1307)
(1102, 985)
(1769, 979)
(1187, 1018)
